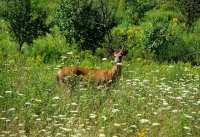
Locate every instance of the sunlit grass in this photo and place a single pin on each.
(149, 100)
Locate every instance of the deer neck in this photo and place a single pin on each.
(116, 70)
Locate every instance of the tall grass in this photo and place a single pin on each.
(149, 100)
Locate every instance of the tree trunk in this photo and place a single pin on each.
(20, 46)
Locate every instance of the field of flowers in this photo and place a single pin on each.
(150, 100)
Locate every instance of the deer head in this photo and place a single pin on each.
(119, 54)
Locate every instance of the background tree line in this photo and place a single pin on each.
(164, 30)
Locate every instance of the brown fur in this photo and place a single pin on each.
(94, 74)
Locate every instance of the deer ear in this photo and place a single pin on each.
(110, 51)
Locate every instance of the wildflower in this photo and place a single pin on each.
(8, 92)
(43, 130)
(188, 116)
(133, 126)
(49, 119)
(35, 115)
(66, 129)
(3, 118)
(54, 105)
(189, 134)
(144, 121)
(28, 103)
(179, 98)
(155, 113)
(63, 57)
(185, 91)
(69, 53)
(193, 112)
(83, 89)
(38, 100)
(104, 118)
(117, 124)
(115, 110)
(11, 109)
(13, 135)
(20, 94)
(6, 132)
(198, 102)
(56, 98)
(88, 128)
(102, 135)
(74, 104)
(58, 134)
(38, 119)
(165, 103)
(20, 125)
(141, 133)
(155, 124)
(187, 128)
(21, 131)
(61, 116)
(145, 81)
(104, 59)
(93, 116)
(175, 111)
(138, 115)
(74, 111)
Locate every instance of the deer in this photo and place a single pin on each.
(94, 74)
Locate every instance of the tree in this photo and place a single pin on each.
(87, 22)
(137, 9)
(191, 9)
(24, 25)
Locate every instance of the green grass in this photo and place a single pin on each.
(149, 100)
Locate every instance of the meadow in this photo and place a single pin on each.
(157, 95)
(149, 100)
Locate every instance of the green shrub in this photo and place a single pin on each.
(49, 47)
(161, 15)
(163, 36)
(24, 24)
(196, 27)
(136, 9)
(86, 22)
(128, 37)
(192, 41)
(7, 44)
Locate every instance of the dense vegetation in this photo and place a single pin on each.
(158, 93)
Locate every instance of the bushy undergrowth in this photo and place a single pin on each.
(7, 44)
(149, 100)
(166, 36)
(197, 26)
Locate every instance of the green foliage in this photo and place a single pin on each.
(196, 28)
(64, 18)
(85, 22)
(150, 99)
(136, 9)
(163, 36)
(49, 48)
(24, 25)
(191, 10)
(162, 16)
(7, 45)
(192, 41)
(130, 38)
